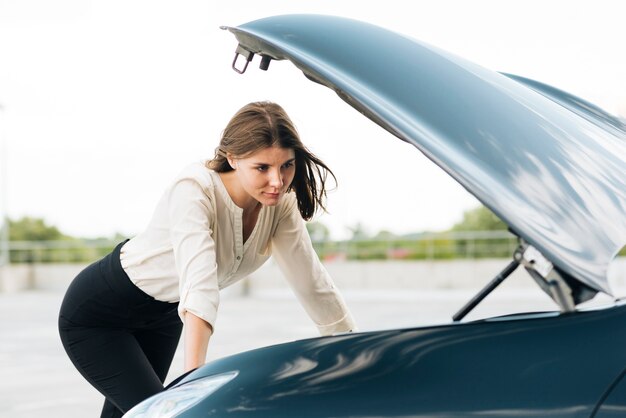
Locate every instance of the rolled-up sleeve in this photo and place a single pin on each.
(293, 251)
(191, 215)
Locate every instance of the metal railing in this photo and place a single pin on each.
(448, 245)
(70, 251)
(436, 246)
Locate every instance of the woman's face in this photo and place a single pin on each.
(267, 174)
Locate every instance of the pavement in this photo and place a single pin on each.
(38, 380)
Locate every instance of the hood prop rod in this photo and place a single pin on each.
(539, 268)
(495, 282)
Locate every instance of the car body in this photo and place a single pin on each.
(549, 164)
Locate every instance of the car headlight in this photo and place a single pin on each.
(173, 401)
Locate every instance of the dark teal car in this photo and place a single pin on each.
(549, 164)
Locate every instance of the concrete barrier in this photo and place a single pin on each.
(448, 274)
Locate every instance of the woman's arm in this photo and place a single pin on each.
(313, 286)
(197, 334)
(191, 215)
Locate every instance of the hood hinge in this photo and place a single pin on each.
(546, 276)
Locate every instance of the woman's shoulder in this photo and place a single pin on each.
(289, 199)
(197, 171)
(287, 205)
(193, 179)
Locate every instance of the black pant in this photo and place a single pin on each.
(118, 337)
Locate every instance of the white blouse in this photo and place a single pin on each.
(193, 247)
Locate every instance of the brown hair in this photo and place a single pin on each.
(259, 125)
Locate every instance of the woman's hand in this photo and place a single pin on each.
(197, 334)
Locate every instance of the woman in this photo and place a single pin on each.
(120, 320)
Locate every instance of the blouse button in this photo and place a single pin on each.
(238, 257)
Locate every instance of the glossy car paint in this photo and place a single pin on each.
(614, 405)
(577, 105)
(539, 365)
(556, 178)
(550, 165)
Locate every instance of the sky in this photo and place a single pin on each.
(105, 101)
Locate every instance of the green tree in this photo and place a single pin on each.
(318, 231)
(385, 235)
(33, 229)
(482, 219)
(479, 219)
(359, 232)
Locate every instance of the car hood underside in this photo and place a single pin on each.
(551, 169)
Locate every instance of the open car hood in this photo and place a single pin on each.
(552, 166)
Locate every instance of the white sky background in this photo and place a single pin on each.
(105, 101)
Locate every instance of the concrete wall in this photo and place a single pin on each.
(391, 275)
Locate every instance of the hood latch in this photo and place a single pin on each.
(248, 55)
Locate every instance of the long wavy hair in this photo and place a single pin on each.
(260, 125)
